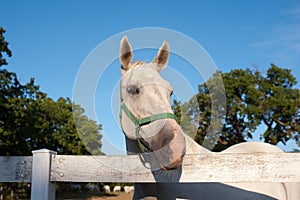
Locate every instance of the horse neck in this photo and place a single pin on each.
(132, 146)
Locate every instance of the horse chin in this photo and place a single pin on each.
(169, 155)
(173, 161)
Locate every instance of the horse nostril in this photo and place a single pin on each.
(133, 89)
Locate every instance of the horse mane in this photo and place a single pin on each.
(137, 62)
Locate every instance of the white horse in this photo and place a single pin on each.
(149, 124)
(117, 189)
(128, 189)
(106, 189)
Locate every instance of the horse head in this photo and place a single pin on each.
(146, 114)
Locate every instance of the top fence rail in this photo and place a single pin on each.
(235, 168)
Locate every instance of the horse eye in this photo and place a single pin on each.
(133, 89)
(171, 93)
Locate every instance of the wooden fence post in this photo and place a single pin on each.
(41, 186)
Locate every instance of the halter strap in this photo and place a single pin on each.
(140, 122)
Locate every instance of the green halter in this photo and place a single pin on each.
(140, 122)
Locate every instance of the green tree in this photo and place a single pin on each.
(281, 105)
(31, 120)
(252, 99)
(243, 110)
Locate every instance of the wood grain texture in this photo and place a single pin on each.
(235, 168)
(230, 168)
(15, 168)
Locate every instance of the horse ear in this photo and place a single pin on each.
(161, 59)
(125, 54)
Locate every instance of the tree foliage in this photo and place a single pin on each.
(184, 119)
(3, 48)
(281, 106)
(252, 99)
(31, 120)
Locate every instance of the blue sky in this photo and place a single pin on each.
(51, 39)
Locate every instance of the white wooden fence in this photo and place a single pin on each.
(45, 168)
